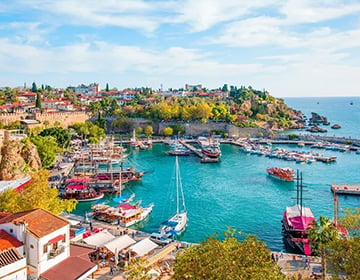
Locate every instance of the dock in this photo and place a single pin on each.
(198, 152)
(353, 189)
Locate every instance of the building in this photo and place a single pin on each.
(46, 245)
(91, 89)
(12, 260)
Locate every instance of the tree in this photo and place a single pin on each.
(138, 130)
(47, 147)
(227, 259)
(61, 135)
(33, 87)
(168, 131)
(351, 221)
(343, 256)
(321, 234)
(38, 101)
(107, 87)
(35, 194)
(148, 130)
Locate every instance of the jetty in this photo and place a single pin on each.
(353, 189)
(199, 153)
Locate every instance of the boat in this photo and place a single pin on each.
(209, 147)
(283, 173)
(82, 193)
(296, 221)
(176, 224)
(179, 152)
(124, 214)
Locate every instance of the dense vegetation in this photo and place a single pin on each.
(244, 107)
(36, 194)
(227, 259)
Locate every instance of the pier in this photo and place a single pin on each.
(352, 189)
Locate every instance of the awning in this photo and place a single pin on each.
(143, 247)
(99, 239)
(56, 239)
(119, 243)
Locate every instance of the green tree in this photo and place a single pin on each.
(148, 130)
(36, 194)
(168, 131)
(343, 257)
(321, 233)
(138, 130)
(33, 87)
(351, 221)
(89, 131)
(61, 135)
(107, 87)
(38, 101)
(47, 147)
(228, 259)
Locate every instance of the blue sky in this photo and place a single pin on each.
(289, 47)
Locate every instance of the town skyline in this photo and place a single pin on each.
(288, 48)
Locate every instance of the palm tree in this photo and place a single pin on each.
(321, 234)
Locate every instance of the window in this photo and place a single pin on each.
(31, 246)
(11, 230)
(45, 248)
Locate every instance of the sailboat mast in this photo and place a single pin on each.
(177, 184)
(301, 195)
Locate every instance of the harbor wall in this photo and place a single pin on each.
(198, 128)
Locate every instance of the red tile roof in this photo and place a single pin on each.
(39, 221)
(8, 241)
(69, 269)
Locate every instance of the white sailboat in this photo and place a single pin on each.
(177, 223)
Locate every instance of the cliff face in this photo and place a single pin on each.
(17, 159)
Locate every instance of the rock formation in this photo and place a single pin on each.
(18, 159)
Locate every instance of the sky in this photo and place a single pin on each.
(290, 48)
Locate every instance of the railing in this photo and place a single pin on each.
(55, 252)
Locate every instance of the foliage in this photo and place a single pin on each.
(124, 124)
(138, 130)
(178, 129)
(292, 136)
(14, 125)
(89, 131)
(135, 270)
(343, 256)
(148, 130)
(321, 234)
(47, 147)
(227, 259)
(351, 221)
(36, 194)
(168, 131)
(38, 101)
(61, 135)
(33, 87)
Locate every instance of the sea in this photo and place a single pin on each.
(237, 192)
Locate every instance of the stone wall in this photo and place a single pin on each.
(65, 118)
(198, 128)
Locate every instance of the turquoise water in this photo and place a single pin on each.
(237, 192)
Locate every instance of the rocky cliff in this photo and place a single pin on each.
(17, 159)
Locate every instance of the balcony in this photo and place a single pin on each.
(55, 252)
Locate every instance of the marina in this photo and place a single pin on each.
(222, 192)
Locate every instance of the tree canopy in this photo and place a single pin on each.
(35, 194)
(61, 135)
(47, 147)
(227, 259)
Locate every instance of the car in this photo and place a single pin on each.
(316, 272)
(160, 239)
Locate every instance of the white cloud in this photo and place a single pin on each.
(309, 11)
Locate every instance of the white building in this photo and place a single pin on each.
(46, 239)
